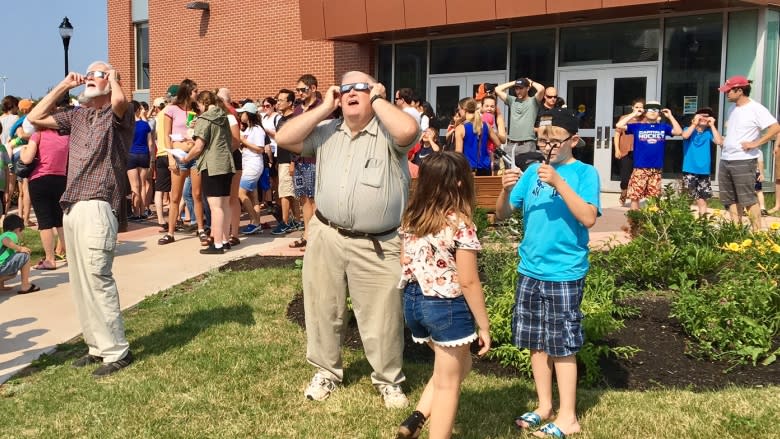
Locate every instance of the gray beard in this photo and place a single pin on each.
(91, 92)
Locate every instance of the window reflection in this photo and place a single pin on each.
(411, 66)
(470, 54)
(613, 43)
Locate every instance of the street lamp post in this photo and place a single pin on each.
(66, 31)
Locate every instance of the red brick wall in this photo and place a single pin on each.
(254, 52)
(121, 42)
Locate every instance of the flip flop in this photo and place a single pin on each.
(532, 419)
(42, 266)
(33, 288)
(552, 430)
(301, 243)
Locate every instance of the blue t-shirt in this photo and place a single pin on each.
(555, 244)
(477, 154)
(649, 142)
(696, 152)
(140, 145)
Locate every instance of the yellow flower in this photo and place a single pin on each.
(653, 209)
(733, 246)
(717, 213)
(774, 226)
(776, 248)
(747, 243)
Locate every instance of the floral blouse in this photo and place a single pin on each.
(430, 260)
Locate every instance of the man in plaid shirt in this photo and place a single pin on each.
(100, 136)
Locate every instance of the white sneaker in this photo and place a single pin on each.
(393, 396)
(319, 388)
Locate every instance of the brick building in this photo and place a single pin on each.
(600, 54)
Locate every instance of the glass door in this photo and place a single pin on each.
(599, 97)
(447, 90)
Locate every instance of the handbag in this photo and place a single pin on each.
(24, 170)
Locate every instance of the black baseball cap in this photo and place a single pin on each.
(559, 117)
(522, 82)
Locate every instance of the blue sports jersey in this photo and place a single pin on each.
(555, 244)
(649, 142)
(696, 152)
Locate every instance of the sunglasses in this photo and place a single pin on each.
(357, 86)
(652, 110)
(266, 105)
(96, 74)
(302, 89)
(551, 97)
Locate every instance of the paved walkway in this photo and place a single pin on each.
(33, 324)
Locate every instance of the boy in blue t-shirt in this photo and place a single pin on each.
(14, 257)
(560, 201)
(649, 142)
(697, 156)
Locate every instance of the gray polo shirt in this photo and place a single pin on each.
(522, 117)
(362, 181)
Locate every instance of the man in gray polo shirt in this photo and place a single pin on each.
(523, 109)
(353, 244)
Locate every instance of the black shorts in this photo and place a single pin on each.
(137, 161)
(237, 160)
(216, 186)
(45, 194)
(162, 181)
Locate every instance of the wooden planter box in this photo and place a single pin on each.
(487, 189)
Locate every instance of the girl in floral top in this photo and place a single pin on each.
(442, 294)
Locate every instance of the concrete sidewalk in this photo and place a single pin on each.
(33, 324)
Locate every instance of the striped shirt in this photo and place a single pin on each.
(97, 156)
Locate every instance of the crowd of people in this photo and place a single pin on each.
(337, 164)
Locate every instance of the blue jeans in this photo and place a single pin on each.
(190, 202)
(446, 322)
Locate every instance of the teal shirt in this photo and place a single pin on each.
(7, 252)
(555, 244)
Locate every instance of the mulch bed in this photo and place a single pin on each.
(663, 362)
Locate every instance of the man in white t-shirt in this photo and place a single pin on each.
(403, 100)
(737, 169)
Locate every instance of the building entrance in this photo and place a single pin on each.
(599, 96)
(447, 90)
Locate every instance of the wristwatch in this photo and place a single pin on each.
(375, 97)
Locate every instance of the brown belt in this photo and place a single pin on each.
(349, 233)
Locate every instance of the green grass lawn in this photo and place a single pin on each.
(216, 357)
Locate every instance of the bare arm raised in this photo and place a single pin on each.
(41, 114)
(295, 130)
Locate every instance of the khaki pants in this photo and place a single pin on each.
(90, 239)
(334, 264)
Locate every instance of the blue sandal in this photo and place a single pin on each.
(552, 430)
(532, 419)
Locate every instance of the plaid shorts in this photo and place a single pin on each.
(547, 316)
(699, 186)
(644, 183)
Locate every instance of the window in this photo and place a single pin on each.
(533, 56)
(142, 56)
(691, 72)
(613, 43)
(411, 66)
(385, 65)
(469, 54)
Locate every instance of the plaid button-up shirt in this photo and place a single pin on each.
(97, 156)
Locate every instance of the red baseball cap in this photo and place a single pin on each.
(734, 81)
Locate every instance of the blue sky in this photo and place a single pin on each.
(33, 57)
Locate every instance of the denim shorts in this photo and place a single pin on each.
(547, 316)
(446, 322)
(13, 264)
(186, 166)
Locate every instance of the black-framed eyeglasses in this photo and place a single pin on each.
(302, 89)
(357, 86)
(97, 74)
(551, 144)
